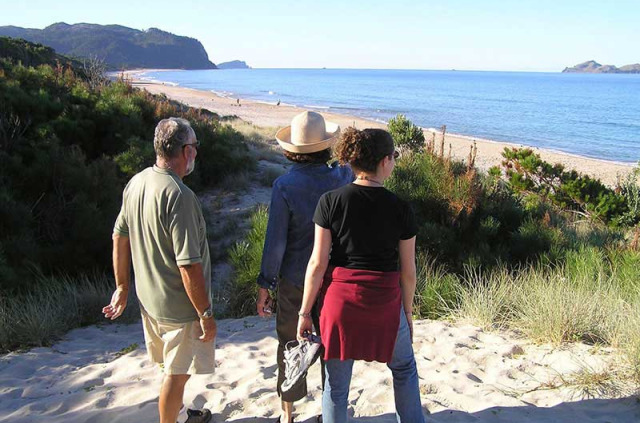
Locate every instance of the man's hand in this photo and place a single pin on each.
(209, 329)
(264, 303)
(117, 305)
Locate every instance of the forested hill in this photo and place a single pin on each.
(119, 46)
(30, 54)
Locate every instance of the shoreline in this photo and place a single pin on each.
(264, 114)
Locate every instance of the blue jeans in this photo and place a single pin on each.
(405, 382)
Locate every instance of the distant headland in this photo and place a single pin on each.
(119, 46)
(592, 66)
(234, 64)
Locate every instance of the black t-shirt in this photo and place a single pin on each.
(366, 225)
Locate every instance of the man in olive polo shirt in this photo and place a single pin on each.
(161, 230)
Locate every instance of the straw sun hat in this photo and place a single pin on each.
(308, 133)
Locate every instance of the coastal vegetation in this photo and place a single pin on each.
(405, 134)
(69, 142)
(526, 246)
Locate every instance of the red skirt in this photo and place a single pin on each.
(359, 314)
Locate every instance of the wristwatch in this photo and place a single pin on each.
(207, 313)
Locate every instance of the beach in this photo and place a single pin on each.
(271, 115)
(101, 373)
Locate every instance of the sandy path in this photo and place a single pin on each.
(466, 375)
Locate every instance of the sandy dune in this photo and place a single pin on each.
(466, 375)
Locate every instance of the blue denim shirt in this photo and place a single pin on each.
(289, 240)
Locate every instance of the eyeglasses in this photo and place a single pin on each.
(194, 145)
(395, 154)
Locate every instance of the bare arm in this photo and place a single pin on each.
(194, 284)
(407, 252)
(313, 279)
(122, 272)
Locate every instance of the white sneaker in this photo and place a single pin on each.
(297, 360)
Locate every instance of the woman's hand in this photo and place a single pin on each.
(304, 326)
(409, 316)
(264, 303)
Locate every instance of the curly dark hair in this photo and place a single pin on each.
(364, 149)
(322, 156)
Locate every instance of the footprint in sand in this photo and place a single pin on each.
(260, 393)
(232, 409)
(269, 372)
(91, 384)
(474, 378)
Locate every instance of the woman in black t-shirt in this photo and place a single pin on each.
(363, 266)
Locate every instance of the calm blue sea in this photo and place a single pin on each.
(586, 114)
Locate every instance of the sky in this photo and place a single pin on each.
(516, 35)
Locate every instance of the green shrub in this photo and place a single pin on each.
(245, 257)
(531, 239)
(67, 148)
(462, 217)
(405, 134)
(568, 190)
(630, 190)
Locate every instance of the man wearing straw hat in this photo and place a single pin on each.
(289, 240)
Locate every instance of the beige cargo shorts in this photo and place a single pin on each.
(176, 346)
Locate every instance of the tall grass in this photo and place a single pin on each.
(245, 257)
(436, 289)
(485, 298)
(593, 297)
(261, 140)
(42, 316)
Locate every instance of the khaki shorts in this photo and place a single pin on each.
(177, 347)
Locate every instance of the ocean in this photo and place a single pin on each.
(592, 115)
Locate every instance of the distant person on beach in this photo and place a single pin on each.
(363, 266)
(278, 103)
(289, 239)
(238, 102)
(161, 230)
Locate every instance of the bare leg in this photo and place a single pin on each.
(171, 395)
(287, 412)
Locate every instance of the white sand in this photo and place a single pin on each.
(466, 375)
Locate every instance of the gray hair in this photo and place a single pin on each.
(171, 134)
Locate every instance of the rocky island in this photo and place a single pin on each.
(234, 64)
(592, 66)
